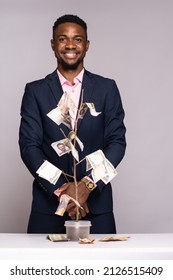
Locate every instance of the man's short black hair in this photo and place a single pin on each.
(70, 18)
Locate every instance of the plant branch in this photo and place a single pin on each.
(74, 160)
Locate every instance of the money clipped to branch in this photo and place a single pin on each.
(63, 202)
(101, 168)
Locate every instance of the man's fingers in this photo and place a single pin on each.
(62, 188)
(70, 205)
(85, 207)
(82, 213)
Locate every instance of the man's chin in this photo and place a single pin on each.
(70, 66)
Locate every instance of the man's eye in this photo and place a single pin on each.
(61, 39)
(78, 40)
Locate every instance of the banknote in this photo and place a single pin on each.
(56, 115)
(62, 147)
(110, 172)
(61, 114)
(92, 109)
(65, 146)
(98, 172)
(72, 136)
(82, 110)
(57, 237)
(49, 172)
(66, 103)
(63, 202)
(116, 238)
(102, 169)
(95, 158)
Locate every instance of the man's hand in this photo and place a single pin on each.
(83, 193)
(81, 212)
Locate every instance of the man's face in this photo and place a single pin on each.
(70, 45)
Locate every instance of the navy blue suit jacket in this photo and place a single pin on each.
(38, 131)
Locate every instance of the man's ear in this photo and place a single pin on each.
(87, 45)
(52, 44)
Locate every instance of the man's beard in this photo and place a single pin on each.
(67, 66)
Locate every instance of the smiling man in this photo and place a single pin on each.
(105, 132)
(70, 45)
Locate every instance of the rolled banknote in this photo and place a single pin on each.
(63, 202)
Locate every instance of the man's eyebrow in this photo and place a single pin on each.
(65, 35)
(61, 35)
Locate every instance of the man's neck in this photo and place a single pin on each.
(70, 74)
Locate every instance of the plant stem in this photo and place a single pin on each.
(74, 160)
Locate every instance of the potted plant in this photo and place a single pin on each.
(101, 168)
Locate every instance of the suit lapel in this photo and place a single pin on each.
(55, 86)
(87, 89)
(87, 86)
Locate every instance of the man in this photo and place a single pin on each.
(105, 132)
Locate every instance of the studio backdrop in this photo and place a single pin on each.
(131, 42)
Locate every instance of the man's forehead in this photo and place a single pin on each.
(70, 27)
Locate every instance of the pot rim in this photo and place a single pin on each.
(80, 223)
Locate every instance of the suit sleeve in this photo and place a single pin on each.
(114, 132)
(114, 128)
(31, 138)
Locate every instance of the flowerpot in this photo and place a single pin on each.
(77, 229)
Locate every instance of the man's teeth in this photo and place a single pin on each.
(70, 54)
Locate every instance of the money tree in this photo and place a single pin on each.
(101, 168)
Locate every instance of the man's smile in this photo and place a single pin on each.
(70, 54)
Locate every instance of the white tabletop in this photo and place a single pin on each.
(37, 246)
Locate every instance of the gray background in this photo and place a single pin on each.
(131, 42)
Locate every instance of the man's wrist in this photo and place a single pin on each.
(89, 184)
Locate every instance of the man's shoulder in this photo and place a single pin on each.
(98, 77)
(43, 80)
(101, 81)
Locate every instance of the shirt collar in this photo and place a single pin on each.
(78, 78)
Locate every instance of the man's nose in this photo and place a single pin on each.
(70, 44)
